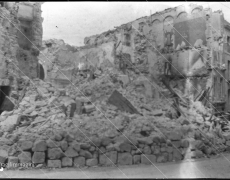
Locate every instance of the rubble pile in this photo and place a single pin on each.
(81, 126)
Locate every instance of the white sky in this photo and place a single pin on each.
(73, 21)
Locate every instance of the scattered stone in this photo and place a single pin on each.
(38, 157)
(175, 136)
(177, 156)
(54, 163)
(125, 159)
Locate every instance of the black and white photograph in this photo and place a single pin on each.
(114, 90)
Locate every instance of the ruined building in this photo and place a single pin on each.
(189, 44)
(21, 37)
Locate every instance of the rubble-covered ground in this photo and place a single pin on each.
(81, 114)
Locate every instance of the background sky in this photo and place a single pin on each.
(73, 21)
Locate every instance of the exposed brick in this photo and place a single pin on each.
(67, 162)
(55, 153)
(125, 159)
(39, 145)
(54, 163)
(38, 157)
(91, 162)
(136, 159)
(109, 158)
(79, 161)
(148, 159)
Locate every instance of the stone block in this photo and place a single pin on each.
(148, 159)
(125, 159)
(38, 157)
(85, 146)
(92, 149)
(157, 150)
(110, 158)
(39, 145)
(102, 150)
(67, 162)
(147, 150)
(170, 157)
(55, 153)
(10, 123)
(58, 137)
(76, 146)
(3, 155)
(70, 152)
(54, 163)
(94, 141)
(78, 107)
(24, 157)
(25, 145)
(177, 156)
(12, 162)
(91, 162)
(52, 144)
(64, 145)
(136, 159)
(145, 140)
(156, 139)
(88, 155)
(69, 137)
(79, 161)
(175, 136)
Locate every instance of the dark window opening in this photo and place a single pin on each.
(228, 40)
(5, 103)
(41, 72)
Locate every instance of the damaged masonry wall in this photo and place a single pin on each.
(17, 52)
(185, 43)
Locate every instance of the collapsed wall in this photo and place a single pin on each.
(21, 36)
